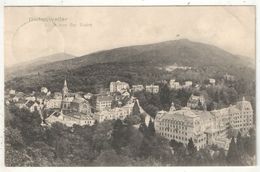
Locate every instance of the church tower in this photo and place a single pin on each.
(65, 105)
(65, 89)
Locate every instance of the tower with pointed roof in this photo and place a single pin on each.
(65, 89)
(64, 103)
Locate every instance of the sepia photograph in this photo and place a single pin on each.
(90, 86)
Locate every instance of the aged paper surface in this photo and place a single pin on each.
(130, 86)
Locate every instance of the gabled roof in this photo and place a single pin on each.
(244, 104)
(30, 103)
(21, 101)
(79, 100)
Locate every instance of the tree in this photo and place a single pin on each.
(13, 137)
(151, 128)
(132, 120)
(118, 135)
(111, 158)
(250, 143)
(165, 96)
(191, 147)
(240, 144)
(101, 138)
(143, 129)
(232, 155)
(212, 106)
(136, 109)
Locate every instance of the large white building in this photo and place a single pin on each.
(137, 88)
(174, 85)
(116, 113)
(118, 86)
(53, 103)
(103, 102)
(204, 127)
(152, 88)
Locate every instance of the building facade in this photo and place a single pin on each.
(118, 86)
(212, 81)
(174, 85)
(204, 127)
(152, 88)
(103, 102)
(115, 113)
(53, 104)
(187, 84)
(181, 125)
(137, 88)
(80, 105)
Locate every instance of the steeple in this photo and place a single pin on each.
(65, 89)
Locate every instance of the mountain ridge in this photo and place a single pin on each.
(182, 52)
(34, 63)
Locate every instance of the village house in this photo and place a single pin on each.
(88, 96)
(103, 102)
(197, 86)
(118, 86)
(44, 90)
(32, 98)
(152, 89)
(18, 96)
(77, 118)
(53, 103)
(28, 104)
(12, 92)
(40, 98)
(187, 84)
(174, 85)
(66, 104)
(48, 93)
(212, 81)
(115, 113)
(80, 105)
(70, 119)
(21, 103)
(137, 88)
(57, 95)
(229, 77)
(33, 106)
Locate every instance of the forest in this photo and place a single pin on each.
(111, 143)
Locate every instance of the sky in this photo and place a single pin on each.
(32, 32)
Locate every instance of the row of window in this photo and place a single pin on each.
(200, 140)
(173, 130)
(243, 125)
(176, 126)
(167, 122)
(172, 136)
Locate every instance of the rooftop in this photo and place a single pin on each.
(104, 98)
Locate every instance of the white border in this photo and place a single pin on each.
(125, 2)
(121, 3)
